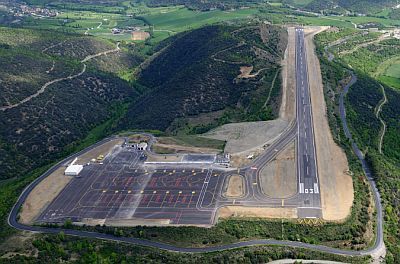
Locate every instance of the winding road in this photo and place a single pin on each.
(70, 77)
(286, 138)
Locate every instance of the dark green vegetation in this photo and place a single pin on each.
(60, 248)
(41, 129)
(341, 6)
(204, 5)
(361, 104)
(197, 74)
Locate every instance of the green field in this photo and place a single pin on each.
(180, 19)
(393, 70)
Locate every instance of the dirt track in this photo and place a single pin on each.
(335, 184)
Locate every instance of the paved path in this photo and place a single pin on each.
(378, 111)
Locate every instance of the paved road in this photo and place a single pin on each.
(287, 137)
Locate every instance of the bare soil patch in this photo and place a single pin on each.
(287, 110)
(235, 188)
(336, 185)
(42, 195)
(100, 150)
(248, 136)
(173, 148)
(278, 179)
(242, 211)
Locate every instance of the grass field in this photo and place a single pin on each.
(180, 18)
(393, 70)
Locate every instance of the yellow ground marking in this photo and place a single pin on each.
(180, 192)
(154, 191)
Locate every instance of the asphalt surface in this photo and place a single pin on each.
(216, 200)
(307, 171)
(123, 188)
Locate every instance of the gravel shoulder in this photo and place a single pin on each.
(336, 184)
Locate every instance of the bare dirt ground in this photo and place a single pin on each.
(278, 179)
(248, 136)
(100, 150)
(241, 211)
(235, 187)
(42, 195)
(174, 148)
(335, 184)
(287, 110)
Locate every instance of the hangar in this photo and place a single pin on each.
(73, 170)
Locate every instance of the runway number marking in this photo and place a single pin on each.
(311, 191)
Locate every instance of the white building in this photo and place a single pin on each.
(73, 170)
(142, 146)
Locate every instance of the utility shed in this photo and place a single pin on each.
(73, 170)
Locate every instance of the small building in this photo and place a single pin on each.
(73, 170)
(140, 35)
(142, 146)
(116, 30)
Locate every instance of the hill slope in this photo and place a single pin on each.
(50, 97)
(198, 73)
(361, 6)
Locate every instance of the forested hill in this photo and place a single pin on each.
(50, 97)
(198, 73)
(204, 5)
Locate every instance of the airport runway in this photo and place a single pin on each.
(307, 170)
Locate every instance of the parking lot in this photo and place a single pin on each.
(122, 187)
